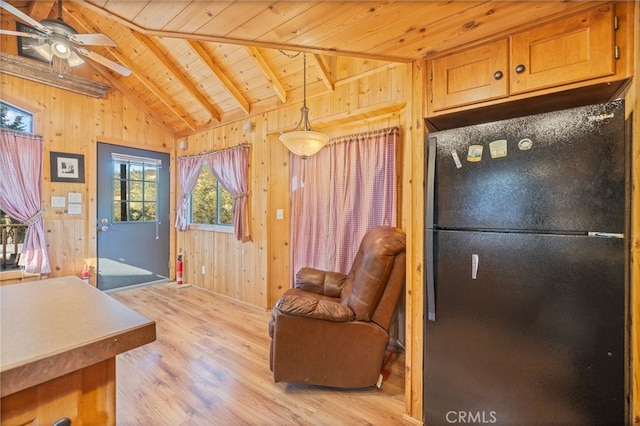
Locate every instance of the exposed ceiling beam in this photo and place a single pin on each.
(139, 74)
(238, 41)
(269, 74)
(325, 75)
(40, 10)
(177, 73)
(199, 49)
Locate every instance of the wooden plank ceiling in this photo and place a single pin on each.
(200, 63)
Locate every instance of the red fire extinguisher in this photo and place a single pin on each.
(84, 274)
(179, 270)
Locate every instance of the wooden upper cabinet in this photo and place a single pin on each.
(480, 73)
(582, 58)
(577, 48)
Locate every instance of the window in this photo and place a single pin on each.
(11, 240)
(12, 231)
(14, 118)
(211, 203)
(135, 184)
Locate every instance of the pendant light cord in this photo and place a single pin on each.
(304, 80)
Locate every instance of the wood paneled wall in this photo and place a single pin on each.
(257, 272)
(74, 123)
(367, 96)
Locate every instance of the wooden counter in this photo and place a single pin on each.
(58, 342)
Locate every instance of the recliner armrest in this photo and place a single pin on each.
(313, 307)
(320, 282)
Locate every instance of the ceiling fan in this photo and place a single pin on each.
(58, 39)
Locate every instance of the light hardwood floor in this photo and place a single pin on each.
(210, 366)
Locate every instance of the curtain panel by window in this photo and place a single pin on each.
(21, 169)
(337, 195)
(188, 171)
(231, 168)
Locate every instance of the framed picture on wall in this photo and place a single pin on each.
(67, 167)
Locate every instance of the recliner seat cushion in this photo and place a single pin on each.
(303, 304)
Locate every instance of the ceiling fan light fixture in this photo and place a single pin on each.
(303, 141)
(60, 47)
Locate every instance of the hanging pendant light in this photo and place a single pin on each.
(303, 141)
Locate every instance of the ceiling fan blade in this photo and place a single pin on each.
(92, 40)
(43, 50)
(75, 60)
(28, 19)
(21, 34)
(104, 61)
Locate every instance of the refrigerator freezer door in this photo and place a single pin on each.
(560, 172)
(537, 338)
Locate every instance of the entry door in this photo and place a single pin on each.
(133, 216)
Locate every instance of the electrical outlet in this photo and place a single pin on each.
(279, 214)
(203, 270)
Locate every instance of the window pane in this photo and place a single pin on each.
(117, 193)
(149, 191)
(117, 170)
(149, 212)
(135, 171)
(135, 190)
(226, 207)
(150, 173)
(205, 199)
(135, 211)
(117, 211)
(14, 118)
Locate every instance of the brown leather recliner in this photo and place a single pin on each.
(332, 329)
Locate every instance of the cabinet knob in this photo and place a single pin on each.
(497, 75)
(520, 69)
(65, 421)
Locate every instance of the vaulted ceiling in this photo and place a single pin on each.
(199, 63)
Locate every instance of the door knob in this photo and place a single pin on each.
(497, 75)
(104, 228)
(520, 69)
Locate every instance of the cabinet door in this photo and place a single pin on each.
(577, 48)
(474, 75)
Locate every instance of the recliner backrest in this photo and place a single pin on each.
(379, 262)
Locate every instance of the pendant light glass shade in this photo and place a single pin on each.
(303, 141)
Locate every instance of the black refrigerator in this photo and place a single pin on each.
(526, 270)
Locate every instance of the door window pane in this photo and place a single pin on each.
(135, 184)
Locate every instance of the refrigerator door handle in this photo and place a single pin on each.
(429, 234)
(605, 235)
(431, 177)
(475, 260)
(431, 286)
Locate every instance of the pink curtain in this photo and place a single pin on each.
(21, 156)
(231, 168)
(337, 195)
(188, 171)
